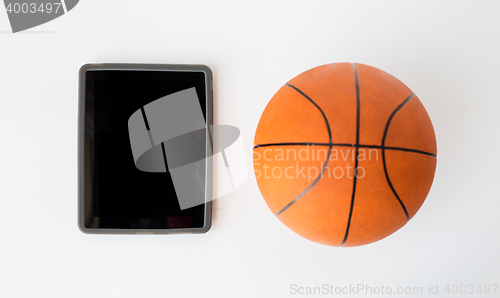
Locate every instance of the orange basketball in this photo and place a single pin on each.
(344, 154)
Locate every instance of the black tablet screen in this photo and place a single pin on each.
(124, 197)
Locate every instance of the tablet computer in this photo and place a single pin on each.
(131, 165)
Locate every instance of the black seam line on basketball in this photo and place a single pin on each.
(327, 158)
(164, 157)
(345, 145)
(383, 155)
(355, 178)
(304, 144)
(321, 111)
(408, 150)
(310, 186)
(145, 118)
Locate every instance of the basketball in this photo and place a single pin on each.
(344, 154)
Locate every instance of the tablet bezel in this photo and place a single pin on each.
(85, 192)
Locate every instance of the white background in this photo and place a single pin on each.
(447, 52)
